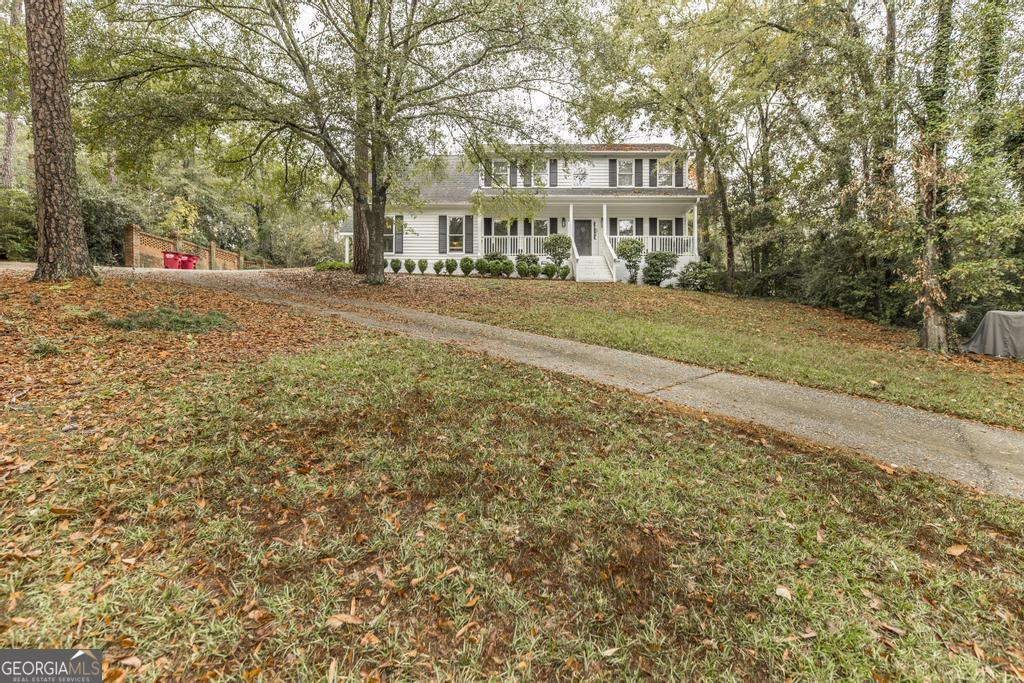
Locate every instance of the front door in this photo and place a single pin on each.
(582, 236)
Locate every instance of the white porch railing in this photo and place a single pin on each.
(608, 252)
(574, 257)
(513, 245)
(677, 244)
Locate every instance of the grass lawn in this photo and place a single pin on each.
(360, 506)
(783, 341)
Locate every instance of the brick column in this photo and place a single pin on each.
(213, 255)
(132, 248)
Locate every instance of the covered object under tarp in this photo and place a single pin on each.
(1001, 333)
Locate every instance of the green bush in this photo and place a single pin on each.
(483, 266)
(564, 272)
(171, 320)
(631, 251)
(528, 259)
(396, 264)
(422, 265)
(698, 277)
(558, 248)
(658, 267)
(550, 270)
(410, 266)
(534, 269)
(105, 212)
(438, 267)
(450, 265)
(507, 267)
(17, 225)
(495, 256)
(466, 264)
(523, 269)
(331, 264)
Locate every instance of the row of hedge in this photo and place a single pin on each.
(491, 265)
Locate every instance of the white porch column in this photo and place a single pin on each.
(696, 231)
(569, 228)
(478, 232)
(604, 219)
(345, 242)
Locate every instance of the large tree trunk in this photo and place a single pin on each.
(62, 251)
(722, 194)
(376, 214)
(10, 117)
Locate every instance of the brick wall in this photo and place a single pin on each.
(143, 250)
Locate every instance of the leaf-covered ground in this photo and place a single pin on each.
(789, 342)
(293, 499)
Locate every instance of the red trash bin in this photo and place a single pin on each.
(172, 260)
(188, 261)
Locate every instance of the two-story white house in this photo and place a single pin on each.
(603, 194)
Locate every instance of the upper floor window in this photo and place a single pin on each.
(624, 227)
(499, 171)
(625, 172)
(540, 173)
(455, 234)
(666, 172)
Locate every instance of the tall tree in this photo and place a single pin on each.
(12, 101)
(62, 249)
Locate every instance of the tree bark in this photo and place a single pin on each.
(722, 194)
(10, 117)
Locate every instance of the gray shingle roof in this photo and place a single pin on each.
(455, 187)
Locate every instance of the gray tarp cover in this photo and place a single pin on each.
(1001, 333)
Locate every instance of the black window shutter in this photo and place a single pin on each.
(527, 227)
(468, 237)
(613, 173)
(513, 227)
(487, 172)
(513, 171)
(654, 172)
(613, 226)
(552, 226)
(487, 226)
(680, 180)
(399, 237)
(527, 175)
(553, 173)
(638, 226)
(442, 234)
(652, 226)
(638, 172)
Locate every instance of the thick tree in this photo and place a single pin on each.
(62, 249)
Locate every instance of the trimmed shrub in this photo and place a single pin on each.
(550, 270)
(483, 266)
(523, 269)
(466, 264)
(331, 264)
(396, 264)
(564, 272)
(495, 256)
(438, 267)
(507, 267)
(528, 259)
(450, 265)
(658, 267)
(558, 248)
(631, 251)
(410, 266)
(422, 265)
(698, 277)
(534, 269)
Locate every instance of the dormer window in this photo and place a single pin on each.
(499, 172)
(625, 173)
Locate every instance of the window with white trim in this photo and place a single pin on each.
(666, 172)
(624, 227)
(540, 227)
(455, 234)
(500, 228)
(389, 235)
(625, 173)
(540, 173)
(665, 227)
(499, 171)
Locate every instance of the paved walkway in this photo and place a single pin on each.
(969, 452)
(988, 458)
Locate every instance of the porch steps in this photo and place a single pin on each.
(592, 269)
